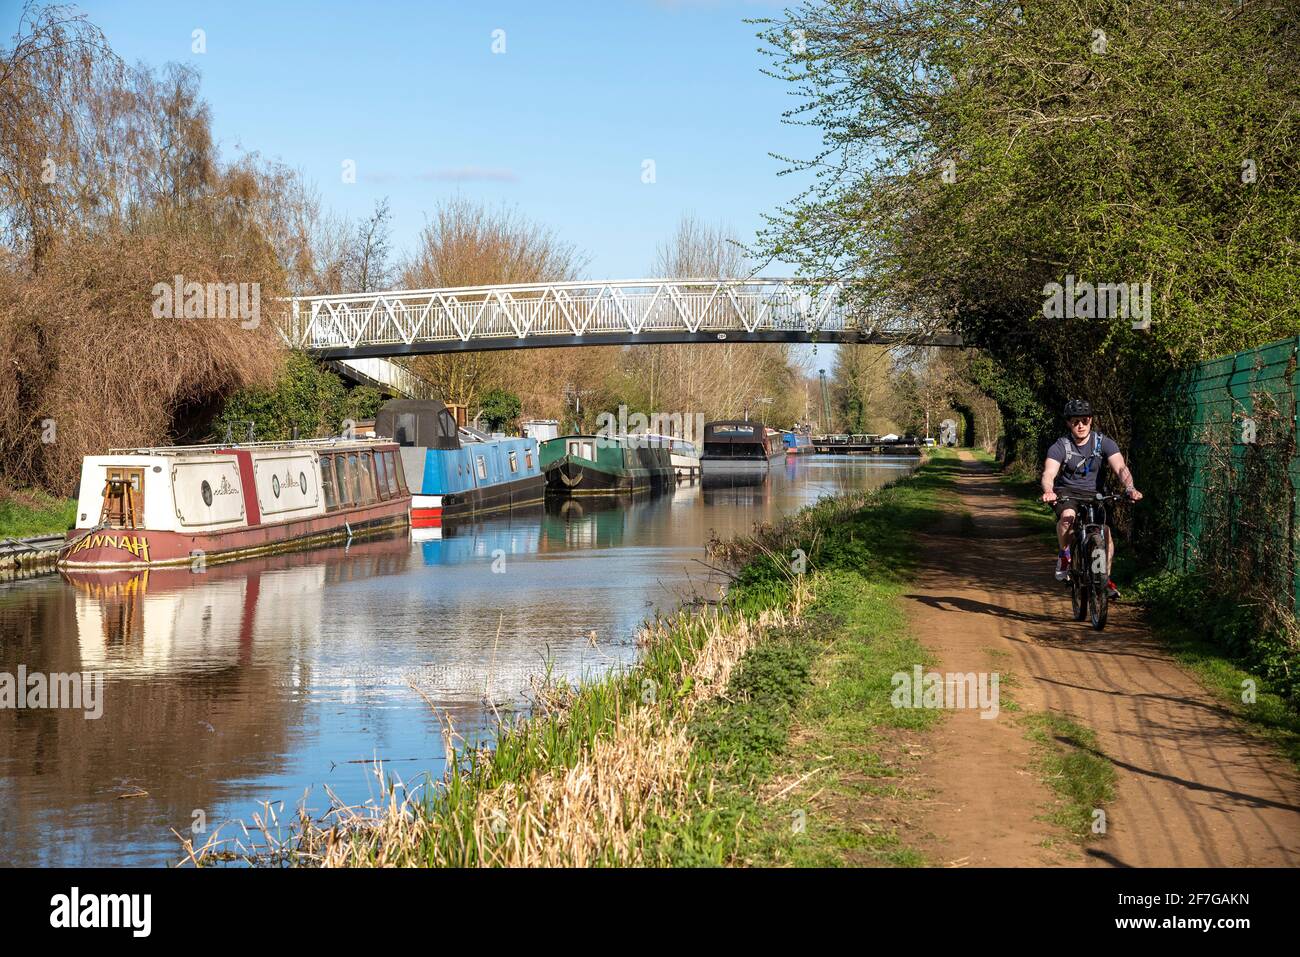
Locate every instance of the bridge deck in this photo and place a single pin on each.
(622, 312)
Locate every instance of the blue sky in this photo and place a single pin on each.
(558, 125)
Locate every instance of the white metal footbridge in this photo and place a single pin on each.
(589, 313)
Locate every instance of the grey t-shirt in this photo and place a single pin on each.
(1082, 466)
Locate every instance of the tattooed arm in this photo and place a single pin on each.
(1121, 470)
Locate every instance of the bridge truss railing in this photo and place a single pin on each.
(626, 308)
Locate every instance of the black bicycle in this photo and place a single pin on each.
(1089, 558)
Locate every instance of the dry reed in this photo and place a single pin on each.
(592, 811)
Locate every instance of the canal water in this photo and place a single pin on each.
(274, 679)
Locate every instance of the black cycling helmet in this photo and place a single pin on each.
(1078, 408)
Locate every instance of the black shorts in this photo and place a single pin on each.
(1060, 504)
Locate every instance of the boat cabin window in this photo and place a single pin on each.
(396, 474)
(447, 422)
(404, 432)
(381, 474)
(585, 450)
(367, 478)
(482, 467)
(341, 474)
(514, 461)
(327, 482)
(733, 432)
(354, 479)
(391, 470)
(528, 459)
(123, 498)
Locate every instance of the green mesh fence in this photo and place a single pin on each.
(1233, 441)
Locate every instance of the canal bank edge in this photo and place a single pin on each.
(683, 759)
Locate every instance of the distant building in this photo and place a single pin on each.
(541, 429)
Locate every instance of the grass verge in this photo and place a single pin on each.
(802, 740)
(805, 737)
(28, 513)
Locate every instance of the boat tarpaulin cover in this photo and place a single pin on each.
(421, 422)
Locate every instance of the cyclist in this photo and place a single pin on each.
(1074, 469)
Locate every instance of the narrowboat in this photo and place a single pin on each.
(457, 472)
(685, 455)
(732, 443)
(140, 508)
(796, 443)
(605, 465)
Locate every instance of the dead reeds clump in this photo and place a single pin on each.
(88, 366)
(572, 788)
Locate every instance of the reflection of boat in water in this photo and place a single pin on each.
(605, 465)
(741, 486)
(687, 493)
(456, 472)
(167, 620)
(476, 540)
(597, 522)
(141, 508)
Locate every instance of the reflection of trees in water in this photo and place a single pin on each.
(185, 706)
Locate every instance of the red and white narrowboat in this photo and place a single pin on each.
(140, 508)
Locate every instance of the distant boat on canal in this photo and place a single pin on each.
(685, 455)
(146, 507)
(732, 443)
(606, 465)
(797, 443)
(456, 472)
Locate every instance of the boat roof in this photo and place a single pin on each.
(323, 445)
(621, 437)
(666, 438)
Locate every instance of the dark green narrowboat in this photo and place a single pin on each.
(605, 465)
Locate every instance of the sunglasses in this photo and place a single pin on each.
(1082, 421)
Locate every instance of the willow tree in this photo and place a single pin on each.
(110, 186)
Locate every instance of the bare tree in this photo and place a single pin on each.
(367, 267)
(52, 83)
(469, 244)
(715, 379)
(110, 187)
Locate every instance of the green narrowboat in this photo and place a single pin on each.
(605, 465)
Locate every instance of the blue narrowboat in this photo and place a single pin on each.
(796, 443)
(455, 472)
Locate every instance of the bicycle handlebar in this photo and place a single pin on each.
(1109, 497)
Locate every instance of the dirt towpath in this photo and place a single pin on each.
(1194, 787)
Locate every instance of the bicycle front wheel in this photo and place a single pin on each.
(1098, 590)
(1079, 593)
